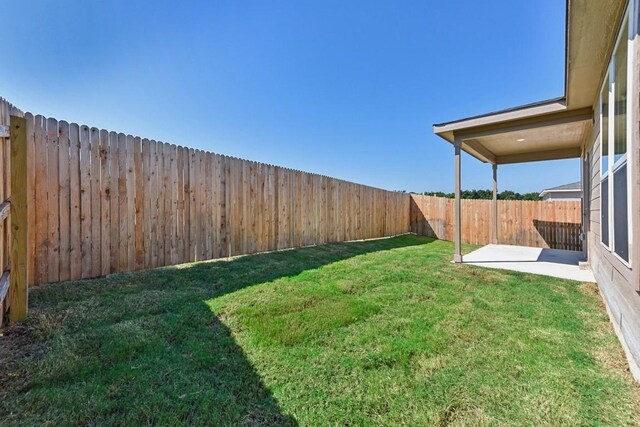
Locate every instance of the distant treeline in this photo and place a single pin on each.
(485, 195)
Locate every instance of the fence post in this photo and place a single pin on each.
(494, 206)
(18, 289)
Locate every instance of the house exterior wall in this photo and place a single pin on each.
(562, 195)
(618, 282)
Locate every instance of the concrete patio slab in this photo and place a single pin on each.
(548, 262)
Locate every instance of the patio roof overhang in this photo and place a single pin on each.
(543, 131)
(547, 130)
(556, 128)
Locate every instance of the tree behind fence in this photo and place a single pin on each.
(544, 224)
(105, 202)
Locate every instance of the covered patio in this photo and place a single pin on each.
(547, 130)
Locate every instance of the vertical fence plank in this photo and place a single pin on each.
(273, 229)
(75, 235)
(85, 201)
(139, 203)
(18, 288)
(6, 153)
(53, 197)
(145, 197)
(196, 214)
(224, 207)
(105, 203)
(180, 235)
(31, 196)
(64, 202)
(123, 252)
(219, 205)
(114, 167)
(202, 213)
(186, 195)
(169, 213)
(41, 224)
(131, 207)
(96, 208)
(193, 206)
(251, 209)
(215, 206)
(173, 204)
(209, 221)
(153, 203)
(5, 193)
(161, 203)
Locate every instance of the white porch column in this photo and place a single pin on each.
(494, 205)
(457, 209)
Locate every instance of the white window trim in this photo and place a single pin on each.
(613, 165)
(607, 83)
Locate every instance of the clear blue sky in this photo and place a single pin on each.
(349, 89)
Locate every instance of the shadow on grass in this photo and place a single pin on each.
(144, 347)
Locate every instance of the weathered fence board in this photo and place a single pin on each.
(550, 224)
(16, 140)
(19, 220)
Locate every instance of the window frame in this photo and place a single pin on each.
(606, 175)
(612, 165)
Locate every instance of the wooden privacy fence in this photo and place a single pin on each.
(545, 224)
(106, 202)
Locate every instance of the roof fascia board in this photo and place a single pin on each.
(503, 116)
(545, 192)
(528, 123)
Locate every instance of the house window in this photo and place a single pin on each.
(604, 163)
(614, 122)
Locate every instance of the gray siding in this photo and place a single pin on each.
(615, 279)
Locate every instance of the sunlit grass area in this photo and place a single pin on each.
(383, 332)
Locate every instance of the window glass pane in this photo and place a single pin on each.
(620, 96)
(620, 213)
(604, 210)
(604, 145)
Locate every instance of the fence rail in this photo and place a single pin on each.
(107, 202)
(545, 224)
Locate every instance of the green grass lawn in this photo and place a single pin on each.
(384, 332)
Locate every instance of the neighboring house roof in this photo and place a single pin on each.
(573, 187)
(553, 129)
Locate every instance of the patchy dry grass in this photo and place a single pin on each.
(384, 332)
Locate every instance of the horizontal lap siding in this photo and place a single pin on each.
(604, 263)
(615, 279)
(112, 202)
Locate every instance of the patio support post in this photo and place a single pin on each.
(584, 178)
(457, 216)
(494, 205)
